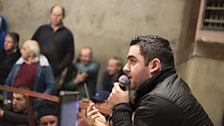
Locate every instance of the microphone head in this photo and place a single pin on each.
(123, 80)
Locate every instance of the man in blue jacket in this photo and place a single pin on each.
(33, 70)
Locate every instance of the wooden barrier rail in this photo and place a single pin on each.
(28, 94)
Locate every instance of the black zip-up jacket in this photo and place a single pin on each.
(14, 119)
(163, 100)
(6, 63)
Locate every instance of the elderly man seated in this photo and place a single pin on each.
(33, 70)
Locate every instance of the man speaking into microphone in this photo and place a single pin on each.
(162, 98)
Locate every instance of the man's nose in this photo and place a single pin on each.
(126, 69)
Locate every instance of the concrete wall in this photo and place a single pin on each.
(205, 78)
(104, 25)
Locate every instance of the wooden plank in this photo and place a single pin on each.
(83, 105)
(30, 111)
(31, 93)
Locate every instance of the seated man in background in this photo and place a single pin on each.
(85, 70)
(18, 116)
(33, 70)
(112, 74)
(9, 54)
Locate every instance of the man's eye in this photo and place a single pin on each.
(19, 99)
(52, 122)
(44, 124)
(132, 61)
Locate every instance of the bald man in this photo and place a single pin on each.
(85, 70)
(56, 41)
(32, 70)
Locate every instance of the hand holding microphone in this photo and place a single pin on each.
(119, 93)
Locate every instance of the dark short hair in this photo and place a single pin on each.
(15, 36)
(23, 86)
(62, 9)
(153, 46)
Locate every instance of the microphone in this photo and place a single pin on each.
(123, 82)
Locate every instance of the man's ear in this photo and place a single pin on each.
(32, 54)
(16, 45)
(154, 66)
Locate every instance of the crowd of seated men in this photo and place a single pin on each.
(38, 66)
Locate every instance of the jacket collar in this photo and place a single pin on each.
(42, 60)
(151, 83)
(60, 27)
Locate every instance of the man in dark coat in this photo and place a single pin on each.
(162, 98)
(9, 54)
(56, 42)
